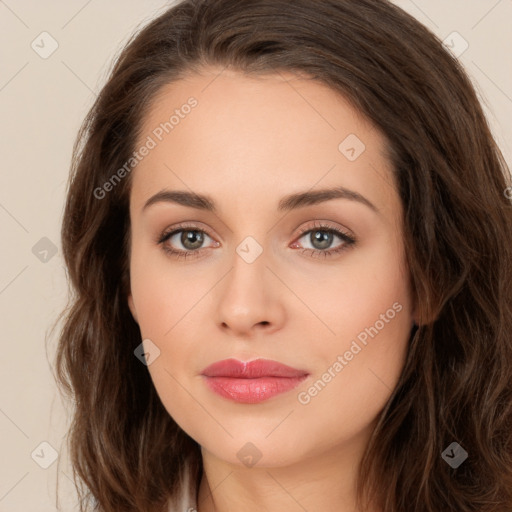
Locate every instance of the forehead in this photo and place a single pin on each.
(257, 135)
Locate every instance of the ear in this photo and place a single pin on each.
(131, 305)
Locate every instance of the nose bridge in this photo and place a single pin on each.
(248, 298)
(249, 263)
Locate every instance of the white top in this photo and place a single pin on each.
(186, 501)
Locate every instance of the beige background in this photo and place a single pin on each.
(42, 102)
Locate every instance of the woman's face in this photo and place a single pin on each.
(273, 264)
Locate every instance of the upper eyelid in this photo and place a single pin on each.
(322, 225)
(183, 227)
(194, 227)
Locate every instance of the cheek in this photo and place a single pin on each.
(358, 368)
(367, 297)
(166, 310)
(368, 311)
(160, 295)
(167, 307)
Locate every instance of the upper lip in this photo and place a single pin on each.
(251, 370)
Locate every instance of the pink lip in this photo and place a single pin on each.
(251, 382)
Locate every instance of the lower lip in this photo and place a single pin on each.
(252, 391)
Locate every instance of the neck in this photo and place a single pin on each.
(324, 482)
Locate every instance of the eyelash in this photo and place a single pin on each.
(348, 240)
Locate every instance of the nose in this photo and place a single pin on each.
(249, 299)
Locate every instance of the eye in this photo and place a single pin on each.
(321, 238)
(190, 238)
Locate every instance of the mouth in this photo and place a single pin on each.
(251, 382)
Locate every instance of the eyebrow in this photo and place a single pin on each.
(287, 203)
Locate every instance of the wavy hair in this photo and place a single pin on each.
(127, 453)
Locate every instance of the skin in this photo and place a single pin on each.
(249, 142)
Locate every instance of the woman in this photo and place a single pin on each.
(288, 233)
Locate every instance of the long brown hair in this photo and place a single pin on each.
(456, 385)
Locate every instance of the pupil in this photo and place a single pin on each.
(192, 239)
(322, 237)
